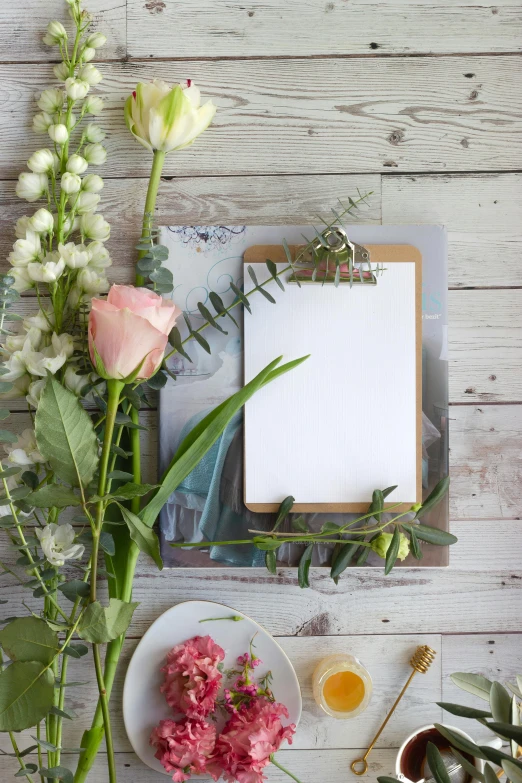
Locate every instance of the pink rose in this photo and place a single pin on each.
(250, 737)
(192, 678)
(184, 747)
(129, 331)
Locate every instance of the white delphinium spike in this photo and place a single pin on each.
(76, 89)
(58, 132)
(22, 226)
(32, 186)
(93, 133)
(42, 221)
(34, 392)
(92, 183)
(74, 256)
(94, 227)
(90, 74)
(56, 33)
(92, 282)
(87, 202)
(26, 250)
(93, 105)
(61, 71)
(70, 183)
(41, 161)
(95, 154)
(49, 271)
(22, 281)
(51, 101)
(96, 40)
(42, 122)
(77, 164)
(99, 257)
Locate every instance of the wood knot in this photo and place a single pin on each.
(473, 95)
(374, 45)
(396, 137)
(155, 6)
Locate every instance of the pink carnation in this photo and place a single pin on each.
(248, 740)
(192, 678)
(184, 747)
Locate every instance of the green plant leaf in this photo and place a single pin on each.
(460, 742)
(343, 559)
(497, 756)
(202, 437)
(414, 545)
(219, 307)
(107, 543)
(506, 731)
(120, 475)
(28, 769)
(201, 340)
(5, 435)
(303, 570)
(142, 535)
(65, 435)
(175, 341)
(26, 695)
(329, 527)
(468, 766)
(132, 490)
(9, 472)
(207, 315)
(513, 771)
(272, 268)
(387, 779)
(74, 589)
(377, 504)
(393, 551)
(101, 624)
(29, 639)
(473, 683)
(434, 497)
(463, 712)
(76, 650)
(30, 479)
(54, 495)
(299, 525)
(515, 721)
(271, 561)
(432, 535)
(436, 763)
(490, 775)
(500, 703)
(265, 543)
(157, 381)
(57, 773)
(241, 296)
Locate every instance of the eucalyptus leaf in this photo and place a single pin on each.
(74, 589)
(132, 490)
(175, 341)
(303, 570)
(45, 744)
(102, 624)
(241, 296)
(107, 543)
(26, 770)
(219, 306)
(54, 496)
(120, 475)
(142, 535)
(63, 713)
(207, 315)
(26, 695)
(436, 764)
(9, 472)
(57, 773)
(473, 683)
(65, 435)
(393, 551)
(272, 268)
(30, 479)
(76, 650)
(5, 435)
(500, 703)
(29, 639)
(157, 381)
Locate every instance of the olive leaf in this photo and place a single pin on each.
(434, 497)
(303, 570)
(393, 551)
(271, 561)
(463, 712)
(461, 742)
(473, 683)
(342, 561)
(436, 764)
(432, 535)
(500, 703)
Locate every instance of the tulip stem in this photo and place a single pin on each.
(150, 203)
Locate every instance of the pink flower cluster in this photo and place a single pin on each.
(251, 735)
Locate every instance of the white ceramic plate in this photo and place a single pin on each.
(143, 704)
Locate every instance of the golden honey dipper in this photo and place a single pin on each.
(420, 662)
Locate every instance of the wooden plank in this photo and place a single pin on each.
(264, 28)
(483, 215)
(22, 25)
(314, 116)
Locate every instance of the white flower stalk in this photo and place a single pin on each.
(93, 105)
(167, 118)
(32, 186)
(92, 183)
(41, 161)
(42, 221)
(95, 154)
(24, 452)
(76, 89)
(56, 34)
(74, 256)
(51, 101)
(57, 542)
(26, 250)
(93, 133)
(61, 71)
(76, 164)
(70, 183)
(58, 133)
(47, 272)
(42, 122)
(94, 227)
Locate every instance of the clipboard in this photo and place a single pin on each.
(281, 448)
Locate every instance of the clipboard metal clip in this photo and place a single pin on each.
(333, 258)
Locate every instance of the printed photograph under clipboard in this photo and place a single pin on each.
(349, 419)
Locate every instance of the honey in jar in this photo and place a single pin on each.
(342, 686)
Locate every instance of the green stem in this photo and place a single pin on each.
(18, 756)
(106, 715)
(283, 769)
(150, 203)
(61, 703)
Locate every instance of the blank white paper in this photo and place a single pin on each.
(344, 422)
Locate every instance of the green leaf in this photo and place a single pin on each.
(76, 650)
(507, 731)
(463, 712)
(4, 413)
(5, 435)
(304, 566)
(271, 561)
(30, 479)
(497, 756)
(473, 683)
(460, 742)
(515, 721)
(201, 340)
(266, 543)
(175, 341)
(28, 769)
(26, 695)
(284, 509)
(241, 296)
(9, 472)
(107, 543)
(377, 504)
(513, 771)
(63, 713)
(102, 624)
(120, 475)
(330, 527)
(65, 435)
(432, 535)
(202, 437)
(219, 307)
(500, 703)
(132, 490)
(57, 773)
(343, 559)
(207, 315)
(468, 766)
(29, 639)
(434, 497)
(142, 535)
(414, 545)
(253, 276)
(393, 551)
(299, 525)
(44, 744)
(54, 495)
(436, 763)
(272, 268)
(489, 774)
(74, 589)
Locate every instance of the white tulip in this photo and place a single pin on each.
(92, 183)
(93, 226)
(42, 221)
(41, 161)
(90, 281)
(47, 272)
(41, 321)
(26, 250)
(22, 226)
(75, 256)
(90, 74)
(58, 133)
(96, 40)
(165, 118)
(70, 183)
(88, 54)
(22, 281)
(93, 105)
(34, 392)
(93, 133)
(56, 32)
(51, 101)
(61, 71)
(31, 186)
(95, 154)
(24, 451)
(57, 542)
(76, 164)
(76, 89)
(42, 122)
(87, 202)
(99, 257)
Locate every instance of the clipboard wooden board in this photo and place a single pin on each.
(352, 408)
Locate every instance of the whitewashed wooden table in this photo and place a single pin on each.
(420, 102)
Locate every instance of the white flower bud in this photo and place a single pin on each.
(86, 202)
(93, 105)
(93, 226)
(92, 183)
(68, 225)
(41, 161)
(99, 257)
(61, 71)
(70, 183)
(42, 221)
(56, 32)
(48, 272)
(92, 282)
(26, 250)
(96, 40)
(51, 101)
(93, 133)
(76, 164)
(22, 281)
(88, 54)
(76, 88)
(58, 133)
(31, 186)
(75, 256)
(90, 74)
(42, 122)
(22, 226)
(95, 154)
(34, 392)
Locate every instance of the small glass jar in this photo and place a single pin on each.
(342, 687)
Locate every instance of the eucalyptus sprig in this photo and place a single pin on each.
(391, 539)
